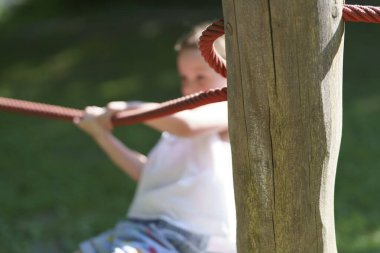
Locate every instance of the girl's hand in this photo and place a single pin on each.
(97, 120)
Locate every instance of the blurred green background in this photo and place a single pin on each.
(57, 188)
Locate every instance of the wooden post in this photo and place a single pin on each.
(285, 102)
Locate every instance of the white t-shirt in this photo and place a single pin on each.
(188, 182)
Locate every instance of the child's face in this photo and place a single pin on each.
(196, 75)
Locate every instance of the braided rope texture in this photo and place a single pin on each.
(122, 118)
(206, 46)
(172, 106)
(351, 13)
(358, 13)
(39, 109)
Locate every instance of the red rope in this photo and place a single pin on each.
(351, 13)
(206, 46)
(39, 109)
(122, 118)
(357, 13)
(172, 106)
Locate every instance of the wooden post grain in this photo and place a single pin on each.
(285, 111)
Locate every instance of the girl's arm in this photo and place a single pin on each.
(201, 120)
(96, 123)
(129, 161)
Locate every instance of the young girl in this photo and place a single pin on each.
(184, 201)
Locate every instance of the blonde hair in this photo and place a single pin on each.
(190, 40)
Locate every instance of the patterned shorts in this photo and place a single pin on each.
(145, 236)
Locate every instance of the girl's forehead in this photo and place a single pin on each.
(190, 53)
(192, 56)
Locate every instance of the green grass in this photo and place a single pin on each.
(357, 207)
(57, 188)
